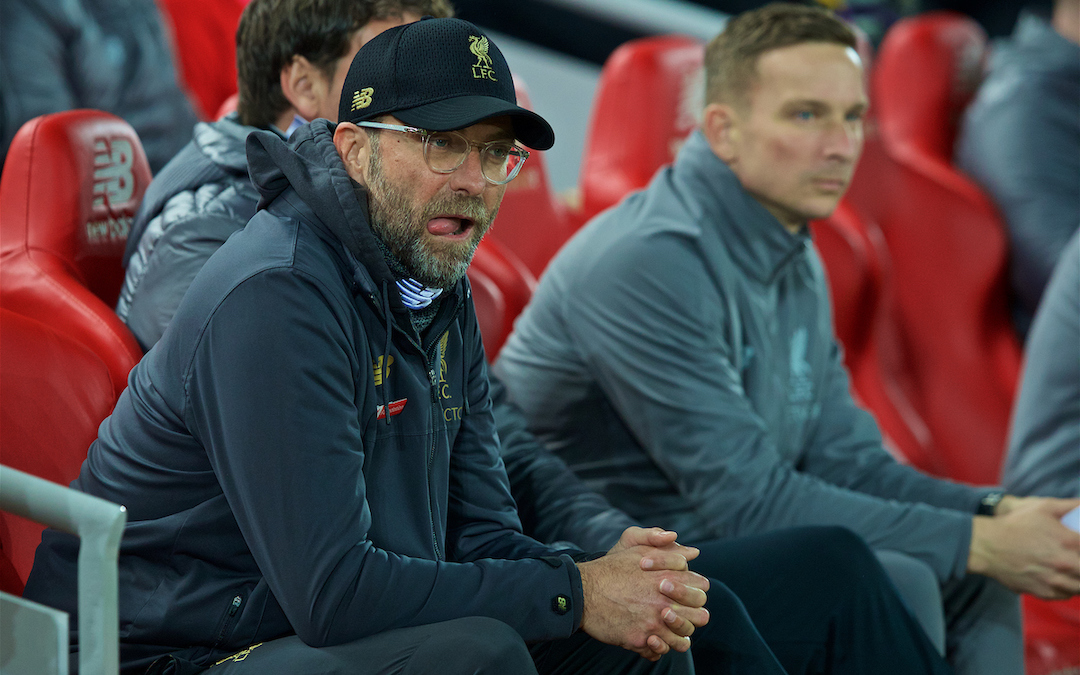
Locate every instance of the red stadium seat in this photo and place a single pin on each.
(946, 242)
(853, 269)
(858, 269)
(501, 287)
(532, 223)
(71, 184)
(54, 392)
(204, 47)
(1051, 636)
(648, 100)
(228, 106)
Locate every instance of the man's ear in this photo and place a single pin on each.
(304, 86)
(721, 127)
(354, 147)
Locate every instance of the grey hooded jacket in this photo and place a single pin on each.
(200, 198)
(679, 355)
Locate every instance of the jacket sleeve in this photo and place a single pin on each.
(176, 245)
(553, 503)
(1044, 442)
(656, 342)
(272, 396)
(845, 448)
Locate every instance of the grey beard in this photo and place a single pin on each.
(401, 229)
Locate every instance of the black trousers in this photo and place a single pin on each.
(802, 601)
(469, 646)
(820, 599)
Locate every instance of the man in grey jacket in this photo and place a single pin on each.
(1020, 139)
(292, 57)
(111, 55)
(679, 355)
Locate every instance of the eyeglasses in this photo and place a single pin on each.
(445, 151)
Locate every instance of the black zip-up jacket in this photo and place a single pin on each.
(296, 459)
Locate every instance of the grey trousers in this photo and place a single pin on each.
(974, 621)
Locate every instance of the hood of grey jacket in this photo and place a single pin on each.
(216, 154)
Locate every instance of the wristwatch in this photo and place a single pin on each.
(988, 504)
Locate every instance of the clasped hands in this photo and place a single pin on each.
(642, 595)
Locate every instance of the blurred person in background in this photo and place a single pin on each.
(292, 56)
(1020, 140)
(110, 55)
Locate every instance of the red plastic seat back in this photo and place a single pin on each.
(71, 184)
(54, 392)
(227, 106)
(946, 244)
(204, 40)
(501, 287)
(532, 223)
(1051, 636)
(854, 275)
(859, 271)
(928, 69)
(648, 100)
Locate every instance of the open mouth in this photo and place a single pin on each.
(453, 227)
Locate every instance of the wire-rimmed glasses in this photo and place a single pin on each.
(445, 151)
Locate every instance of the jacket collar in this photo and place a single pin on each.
(755, 239)
(1035, 42)
(222, 142)
(309, 167)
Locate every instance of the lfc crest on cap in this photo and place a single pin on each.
(478, 45)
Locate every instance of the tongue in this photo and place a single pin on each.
(440, 226)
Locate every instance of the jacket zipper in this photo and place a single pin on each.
(431, 356)
(233, 608)
(433, 379)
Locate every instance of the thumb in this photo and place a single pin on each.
(660, 538)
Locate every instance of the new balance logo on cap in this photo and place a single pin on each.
(362, 98)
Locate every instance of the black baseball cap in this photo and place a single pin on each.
(439, 75)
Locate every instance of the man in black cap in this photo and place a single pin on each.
(308, 455)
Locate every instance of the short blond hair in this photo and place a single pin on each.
(731, 58)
